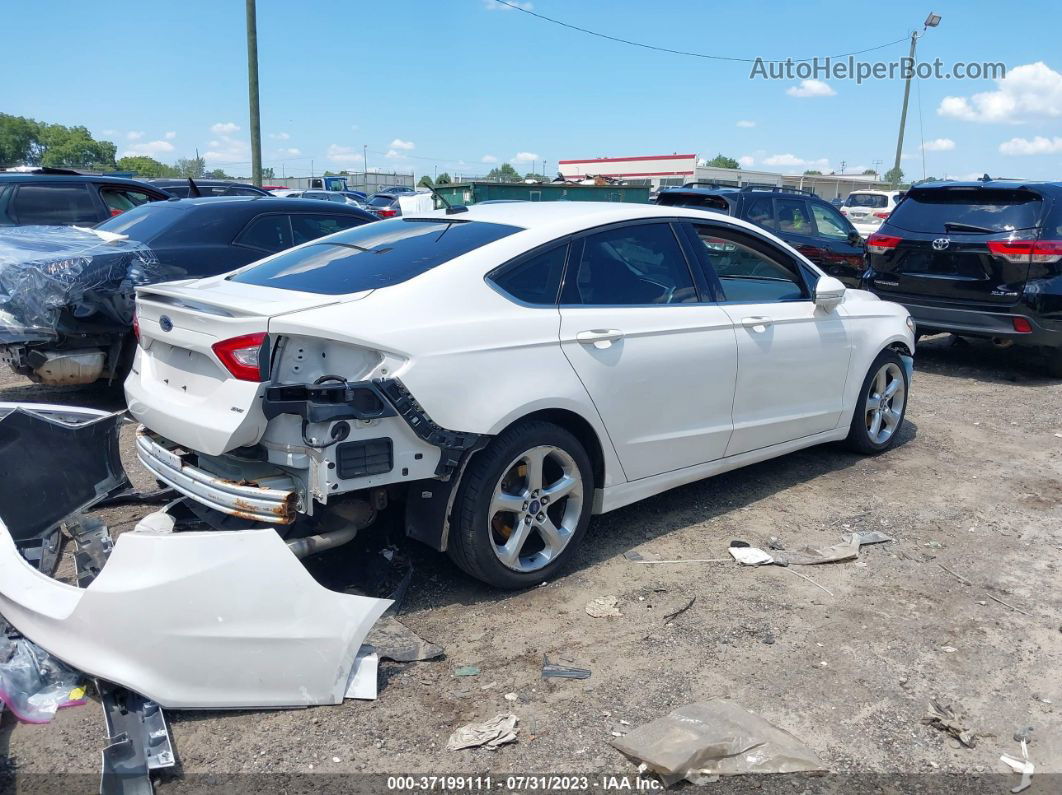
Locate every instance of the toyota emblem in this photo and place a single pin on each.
(941, 243)
(165, 323)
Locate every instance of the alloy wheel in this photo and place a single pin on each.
(535, 509)
(885, 402)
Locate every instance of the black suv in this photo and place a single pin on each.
(61, 197)
(978, 259)
(809, 224)
(208, 187)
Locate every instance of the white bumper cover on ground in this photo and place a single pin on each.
(196, 620)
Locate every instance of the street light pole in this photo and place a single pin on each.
(252, 93)
(931, 22)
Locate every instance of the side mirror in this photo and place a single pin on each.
(829, 292)
(855, 239)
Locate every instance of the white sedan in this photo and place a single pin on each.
(504, 371)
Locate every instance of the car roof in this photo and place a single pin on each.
(267, 204)
(210, 182)
(566, 217)
(995, 184)
(29, 176)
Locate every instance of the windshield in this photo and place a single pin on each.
(146, 222)
(875, 200)
(375, 255)
(967, 210)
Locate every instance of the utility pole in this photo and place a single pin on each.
(931, 22)
(252, 93)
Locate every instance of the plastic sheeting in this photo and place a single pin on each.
(33, 684)
(718, 737)
(51, 273)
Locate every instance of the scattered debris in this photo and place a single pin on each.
(393, 640)
(1007, 604)
(1023, 766)
(958, 577)
(139, 741)
(681, 610)
(806, 577)
(557, 671)
(467, 670)
(511, 697)
(33, 684)
(948, 649)
(947, 719)
(489, 734)
(637, 557)
(718, 737)
(748, 555)
(1023, 735)
(774, 542)
(603, 607)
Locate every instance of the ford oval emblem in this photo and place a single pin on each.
(165, 323)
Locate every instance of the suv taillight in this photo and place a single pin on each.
(244, 356)
(879, 244)
(881, 214)
(1027, 251)
(136, 323)
(386, 212)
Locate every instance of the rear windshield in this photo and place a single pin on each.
(375, 255)
(146, 222)
(381, 201)
(866, 200)
(967, 210)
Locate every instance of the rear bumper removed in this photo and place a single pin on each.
(272, 500)
(196, 620)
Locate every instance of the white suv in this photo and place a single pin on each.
(505, 370)
(867, 209)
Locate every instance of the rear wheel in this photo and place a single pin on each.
(882, 405)
(523, 505)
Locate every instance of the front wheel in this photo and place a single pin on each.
(523, 505)
(882, 405)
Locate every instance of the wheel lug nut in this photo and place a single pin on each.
(541, 517)
(545, 500)
(527, 519)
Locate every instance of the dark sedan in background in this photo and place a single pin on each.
(66, 295)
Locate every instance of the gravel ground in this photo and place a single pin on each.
(975, 486)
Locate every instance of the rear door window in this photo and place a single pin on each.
(792, 216)
(120, 200)
(270, 233)
(533, 280)
(637, 265)
(372, 255)
(761, 212)
(55, 203)
(967, 210)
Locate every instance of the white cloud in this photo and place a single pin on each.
(811, 88)
(394, 154)
(224, 128)
(1036, 146)
(398, 143)
(788, 160)
(524, 157)
(291, 151)
(491, 5)
(488, 159)
(134, 135)
(170, 135)
(746, 161)
(228, 150)
(280, 136)
(343, 155)
(109, 132)
(939, 145)
(149, 148)
(1030, 91)
(746, 123)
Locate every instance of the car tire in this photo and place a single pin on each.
(522, 507)
(877, 420)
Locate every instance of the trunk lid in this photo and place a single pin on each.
(958, 244)
(179, 387)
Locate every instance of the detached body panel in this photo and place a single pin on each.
(196, 620)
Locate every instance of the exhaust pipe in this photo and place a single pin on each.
(356, 514)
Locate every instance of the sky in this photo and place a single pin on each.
(463, 85)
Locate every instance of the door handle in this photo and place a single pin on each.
(599, 337)
(756, 322)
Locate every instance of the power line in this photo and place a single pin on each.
(543, 17)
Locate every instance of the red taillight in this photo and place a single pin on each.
(879, 244)
(386, 212)
(136, 324)
(115, 211)
(1026, 251)
(242, 356)
(1022, 325)
(882, 215)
